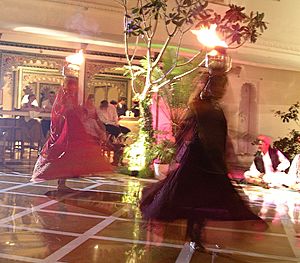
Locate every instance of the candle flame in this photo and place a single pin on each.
(209, 37)
(76, 59)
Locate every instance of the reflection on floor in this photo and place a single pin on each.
(99, 222)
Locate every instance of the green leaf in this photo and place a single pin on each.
(135, 10)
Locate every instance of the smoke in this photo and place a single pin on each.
(83, 24)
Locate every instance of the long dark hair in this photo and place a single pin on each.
(215, 87)
(211, 87)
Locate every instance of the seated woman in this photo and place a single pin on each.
(92, 127)
(98, 133)
(90, 106)
(269, 165)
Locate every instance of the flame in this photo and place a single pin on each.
(213, 53)
(209, 37)
(76, 59)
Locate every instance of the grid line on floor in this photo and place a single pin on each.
(185, 254)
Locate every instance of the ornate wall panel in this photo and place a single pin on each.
(23, 73)
(106, 82)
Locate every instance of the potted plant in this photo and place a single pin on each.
(163, 153)
(288, 144)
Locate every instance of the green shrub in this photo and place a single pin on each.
(289, 144)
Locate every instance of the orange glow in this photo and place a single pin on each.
(209, 37)
(213, 53)
(76, 59)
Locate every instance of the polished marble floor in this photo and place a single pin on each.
(99, 222)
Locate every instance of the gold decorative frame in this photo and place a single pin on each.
(35, 79)
(109, 88)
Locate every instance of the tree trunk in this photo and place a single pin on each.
(139, 153)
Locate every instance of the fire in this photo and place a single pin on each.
(209, 37)
(76, 59)
(213, 53)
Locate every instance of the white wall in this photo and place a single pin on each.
(273, 89)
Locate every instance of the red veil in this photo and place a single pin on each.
(69, 151)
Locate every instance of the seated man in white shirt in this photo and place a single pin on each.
(294, 172)
(25, 100)
(108, 116)
(269, 166)
(107, 113)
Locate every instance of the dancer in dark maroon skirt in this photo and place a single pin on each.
(199, 188)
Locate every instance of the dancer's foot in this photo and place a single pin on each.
(197, 246)
(62, 186)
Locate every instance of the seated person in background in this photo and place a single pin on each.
(31, 104)
(98, 133)
(90, 106)
(294, 170)
(48, 103)
(47, 107)
(31, 128)
(92, 127)
(108, 115)
(114, 103)
(268, 166)
(135, 108)
(122, 107)
(27, 90)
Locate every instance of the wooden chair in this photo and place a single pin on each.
(8, 127)
(25, 140)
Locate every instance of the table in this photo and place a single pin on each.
(131, 123)
(9, 124)
(8, 113)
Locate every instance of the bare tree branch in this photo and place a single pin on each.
(180, 76)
